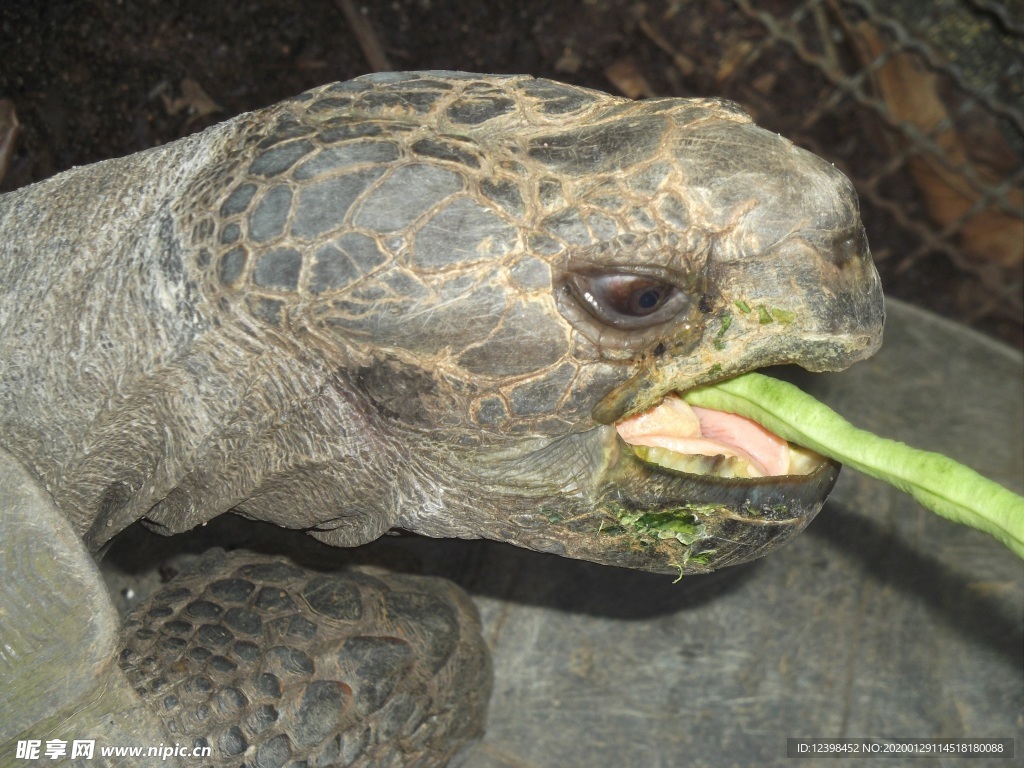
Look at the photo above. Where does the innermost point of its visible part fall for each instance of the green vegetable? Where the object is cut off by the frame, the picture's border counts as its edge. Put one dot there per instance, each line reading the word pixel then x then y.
pixel 936 481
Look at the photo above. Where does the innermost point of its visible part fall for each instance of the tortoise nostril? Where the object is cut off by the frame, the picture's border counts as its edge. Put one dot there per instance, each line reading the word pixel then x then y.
pixel 849 246
pixel 844 250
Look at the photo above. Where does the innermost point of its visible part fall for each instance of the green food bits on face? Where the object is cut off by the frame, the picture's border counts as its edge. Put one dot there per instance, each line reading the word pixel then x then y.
pixel 717 342
pixel 784 316
pixel 765 315
pixel 682 524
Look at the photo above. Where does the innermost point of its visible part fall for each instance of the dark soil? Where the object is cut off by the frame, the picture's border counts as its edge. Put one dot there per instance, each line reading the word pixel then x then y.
pixel 94 79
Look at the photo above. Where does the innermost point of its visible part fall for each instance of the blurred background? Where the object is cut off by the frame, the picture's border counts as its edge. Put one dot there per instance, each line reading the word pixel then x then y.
pixel 920 102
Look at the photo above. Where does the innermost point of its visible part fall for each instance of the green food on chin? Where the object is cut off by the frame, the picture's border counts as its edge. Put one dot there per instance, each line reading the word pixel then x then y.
pixel 685 527
pixel 683 524
pixel 944 486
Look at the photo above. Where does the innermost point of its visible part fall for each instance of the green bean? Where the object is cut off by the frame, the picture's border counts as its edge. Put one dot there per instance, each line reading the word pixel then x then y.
pixel 942 485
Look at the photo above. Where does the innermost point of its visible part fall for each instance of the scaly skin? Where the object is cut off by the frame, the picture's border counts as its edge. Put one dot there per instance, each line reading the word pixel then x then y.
pixel 360 309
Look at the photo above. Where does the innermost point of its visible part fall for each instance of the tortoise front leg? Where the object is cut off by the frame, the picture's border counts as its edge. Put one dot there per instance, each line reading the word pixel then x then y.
pixel 273 664
pixel 260 660
pixel 59 634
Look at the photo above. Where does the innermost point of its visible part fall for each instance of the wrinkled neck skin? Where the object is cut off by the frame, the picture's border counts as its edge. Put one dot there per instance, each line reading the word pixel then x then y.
pixel 128 397
pixel 534 492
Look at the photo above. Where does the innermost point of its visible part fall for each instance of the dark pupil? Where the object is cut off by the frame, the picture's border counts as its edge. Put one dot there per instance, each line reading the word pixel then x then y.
pixel 648 299
pixel 632 296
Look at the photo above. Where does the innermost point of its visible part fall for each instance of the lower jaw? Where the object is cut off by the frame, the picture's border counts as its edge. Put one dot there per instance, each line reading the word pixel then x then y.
pixel 647 517
pixel 665 520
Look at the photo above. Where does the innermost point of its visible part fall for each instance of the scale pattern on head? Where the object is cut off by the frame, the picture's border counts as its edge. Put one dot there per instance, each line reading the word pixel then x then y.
pixel 456 239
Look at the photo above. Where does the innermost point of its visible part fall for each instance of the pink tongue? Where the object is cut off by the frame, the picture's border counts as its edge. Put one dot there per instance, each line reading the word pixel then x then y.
pixel 678 427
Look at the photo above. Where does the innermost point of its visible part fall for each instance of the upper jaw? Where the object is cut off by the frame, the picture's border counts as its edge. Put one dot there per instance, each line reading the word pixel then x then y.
pixel 658 378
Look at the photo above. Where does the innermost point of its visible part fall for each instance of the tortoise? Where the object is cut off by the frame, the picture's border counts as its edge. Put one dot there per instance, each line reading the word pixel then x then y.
pixel 411 301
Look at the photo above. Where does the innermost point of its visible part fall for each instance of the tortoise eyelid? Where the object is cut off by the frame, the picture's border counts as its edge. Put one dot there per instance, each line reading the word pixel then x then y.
pixel 626 300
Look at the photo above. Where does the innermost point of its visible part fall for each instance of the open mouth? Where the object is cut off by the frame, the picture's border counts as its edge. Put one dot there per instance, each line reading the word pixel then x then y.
pixel 701 441
pixel 695 490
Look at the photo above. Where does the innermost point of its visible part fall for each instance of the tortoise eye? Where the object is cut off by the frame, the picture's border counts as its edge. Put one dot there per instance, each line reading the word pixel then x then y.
pixel 626 300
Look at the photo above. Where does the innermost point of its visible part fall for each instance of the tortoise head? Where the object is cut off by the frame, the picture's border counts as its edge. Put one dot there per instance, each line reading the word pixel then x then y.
pixel 503 268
